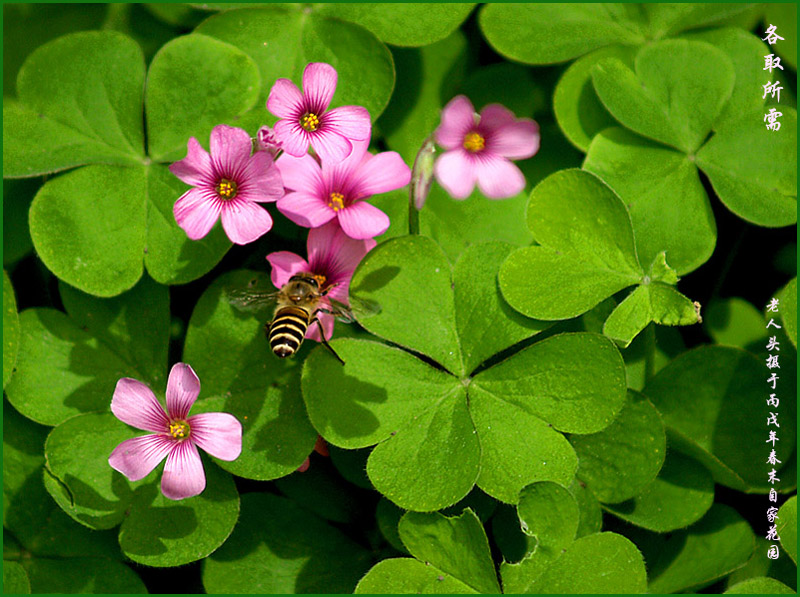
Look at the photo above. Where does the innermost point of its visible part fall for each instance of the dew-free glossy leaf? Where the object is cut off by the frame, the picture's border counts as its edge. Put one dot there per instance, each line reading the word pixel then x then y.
pixel 456 546
pixel 80 97
pixel 619 461
pixel 784 17
pixel 754 170
pixel 161 532
pixel 282 42
pixel 734 322
pixel 760 585
pixel 676 94
pixel 88 227
pixel 409 576
pixel 708 550
pixel 600 563
pixel 709 399
pixel 15 580
pixel 402 24
pixel 230 354
pixel 668 206
pixel 680 495
pixel 587 249
pixel 787 527
pixel 278 547
pixel 63 370
pixel 195 83
pixel 11 330
pixel 578 110
pixel 547 33
pixel 87 488
pixel 667 19
pixel 654 302
pixel 82 575
pixel 788 310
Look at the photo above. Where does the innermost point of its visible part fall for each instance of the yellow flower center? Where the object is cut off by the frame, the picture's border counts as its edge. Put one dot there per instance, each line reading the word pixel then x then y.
pixel 474 142
pixel 179 429
pixel 310 122
pixel 336 201
pixel 226 189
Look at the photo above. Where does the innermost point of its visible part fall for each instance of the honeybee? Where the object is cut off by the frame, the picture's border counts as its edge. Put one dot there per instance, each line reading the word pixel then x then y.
pixel 298 303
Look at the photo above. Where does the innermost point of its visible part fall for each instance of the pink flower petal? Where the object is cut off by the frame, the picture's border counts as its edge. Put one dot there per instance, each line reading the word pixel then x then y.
pixel 135 404
pixel 327 321
pixel 183 473
pixel 285 100
pixel 517 140
pixel 352 122
pixel 319 85
pixel 136 458
pixel 183 387
pixel 304 467
pixel 494 116
pixel 300 174
pixel 498 178
pixel 321 447
pixel 284 266
pixel 333 253
pixel 219 434
pixel 380 174
pixel 362 220
pixel 458 117
pixel 263 180
pixel 305 210
pixel 455 172
pixel 195 168
pixel 244 221
pixel 294 140
pixel 196 212
pixel 330 145
pixel 230 149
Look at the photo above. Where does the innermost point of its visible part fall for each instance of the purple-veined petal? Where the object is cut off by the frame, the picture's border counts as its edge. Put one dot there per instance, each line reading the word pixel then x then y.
pixel 285 100
pixel 458 117
pixel 352 122
pixel 516 141
pixel 494 116
pixel 381 173
pixel 195 169
pixel 219 434
pixel 300 174
pixel 262 180
pixel 137 457
pixel 334 254
pixel 244 221
pixel 196 211
pixel 183 473
pixel 285 265
pixel 294 140
pixel 319 85
pixel 183 387
pixel 135 404
pixel 330 146
pixel 362 220
pixel 305 210
pixel 327 321
pixel 498 178
pixel 454 170
pixel 230 150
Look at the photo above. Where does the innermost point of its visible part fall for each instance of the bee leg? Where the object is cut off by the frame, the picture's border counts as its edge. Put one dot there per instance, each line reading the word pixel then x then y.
pixel 324 341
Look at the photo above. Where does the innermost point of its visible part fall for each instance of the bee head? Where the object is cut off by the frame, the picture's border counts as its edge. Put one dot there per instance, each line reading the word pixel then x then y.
pixel 302 287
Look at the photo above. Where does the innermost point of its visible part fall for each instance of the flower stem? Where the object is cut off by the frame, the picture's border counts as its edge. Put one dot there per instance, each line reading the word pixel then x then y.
pixel 413 215
pixel 650 351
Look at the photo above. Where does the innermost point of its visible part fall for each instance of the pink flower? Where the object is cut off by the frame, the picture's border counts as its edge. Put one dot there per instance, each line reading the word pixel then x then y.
pixel 479 150
pixel 332 255
pixel 306 118
pixel 176 435
pixel 268 141
pixel 229 182
pixel 320 194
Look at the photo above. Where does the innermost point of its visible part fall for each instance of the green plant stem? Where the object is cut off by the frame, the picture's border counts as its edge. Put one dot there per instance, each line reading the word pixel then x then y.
pixel 650 352
pixel 413 216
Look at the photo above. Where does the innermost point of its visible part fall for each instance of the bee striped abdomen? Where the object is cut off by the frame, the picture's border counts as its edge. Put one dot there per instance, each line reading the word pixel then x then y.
pixel 287 330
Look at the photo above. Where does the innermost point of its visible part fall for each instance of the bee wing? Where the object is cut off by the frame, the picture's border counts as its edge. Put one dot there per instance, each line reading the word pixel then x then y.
pixel 358 309
pixel 252 299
